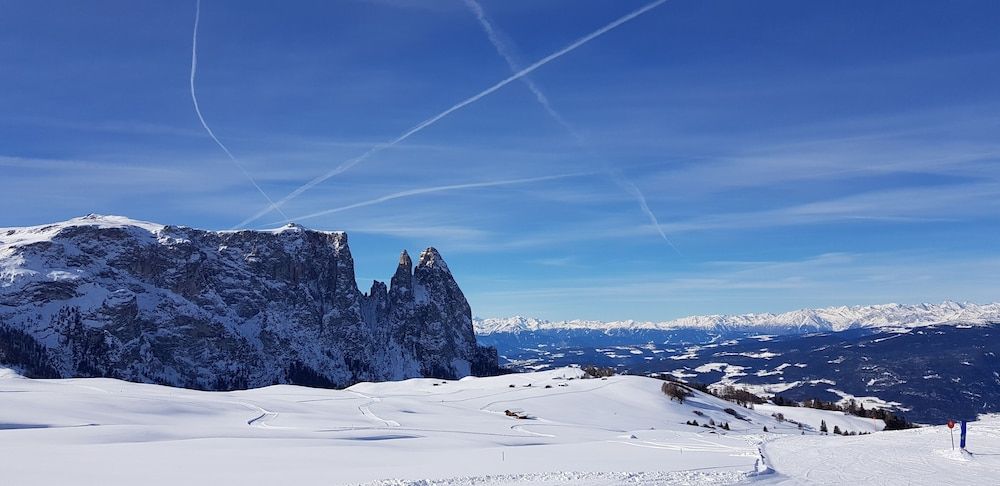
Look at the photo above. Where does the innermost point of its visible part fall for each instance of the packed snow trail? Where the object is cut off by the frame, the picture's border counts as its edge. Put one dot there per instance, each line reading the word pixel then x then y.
pixel 675 478
pixel 434 119
pixel 909 457
pixel 197 110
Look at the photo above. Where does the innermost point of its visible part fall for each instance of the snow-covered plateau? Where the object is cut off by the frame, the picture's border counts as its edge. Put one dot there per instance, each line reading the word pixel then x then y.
pixel 551 427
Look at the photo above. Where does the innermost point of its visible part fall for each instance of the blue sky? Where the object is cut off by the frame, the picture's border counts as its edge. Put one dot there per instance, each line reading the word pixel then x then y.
pixel 796 154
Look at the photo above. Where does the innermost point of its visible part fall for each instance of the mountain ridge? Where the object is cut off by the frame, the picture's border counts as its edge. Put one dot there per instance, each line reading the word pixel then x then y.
pixel 837 318
pixel 116 297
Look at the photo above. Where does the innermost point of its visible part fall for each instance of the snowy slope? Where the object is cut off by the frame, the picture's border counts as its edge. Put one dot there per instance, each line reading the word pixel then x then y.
pixel 622 430
pixel 105 431
pixel 804 320
pixel 910 457
pixel 812 417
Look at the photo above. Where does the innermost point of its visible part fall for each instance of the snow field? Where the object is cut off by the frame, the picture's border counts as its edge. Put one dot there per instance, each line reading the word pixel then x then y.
pixel 619 430
pixel 910 457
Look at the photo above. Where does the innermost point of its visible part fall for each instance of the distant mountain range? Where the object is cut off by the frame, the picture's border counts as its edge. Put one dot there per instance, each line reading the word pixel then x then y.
pixel 931 361
pixel 107 296
pixel 799 321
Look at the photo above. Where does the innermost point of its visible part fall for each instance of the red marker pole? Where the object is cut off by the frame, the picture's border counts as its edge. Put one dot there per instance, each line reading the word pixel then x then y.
pixel 951 428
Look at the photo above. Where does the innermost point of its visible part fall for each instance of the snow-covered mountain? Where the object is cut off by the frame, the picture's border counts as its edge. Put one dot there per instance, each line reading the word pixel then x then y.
pixel 110 296
pixel 930 361
pixel 805 320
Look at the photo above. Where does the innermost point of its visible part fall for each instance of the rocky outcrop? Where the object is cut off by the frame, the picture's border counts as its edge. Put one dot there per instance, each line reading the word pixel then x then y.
pixel 108 296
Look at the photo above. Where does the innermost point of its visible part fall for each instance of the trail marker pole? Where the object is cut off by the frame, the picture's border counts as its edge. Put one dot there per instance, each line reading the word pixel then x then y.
pixel 951 428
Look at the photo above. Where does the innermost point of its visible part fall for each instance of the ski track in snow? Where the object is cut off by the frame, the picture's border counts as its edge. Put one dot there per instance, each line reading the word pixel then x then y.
pixel 366 410
pixel 261 421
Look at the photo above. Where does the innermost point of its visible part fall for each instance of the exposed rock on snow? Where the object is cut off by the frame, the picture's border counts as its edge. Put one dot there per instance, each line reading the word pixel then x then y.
pixel 110 296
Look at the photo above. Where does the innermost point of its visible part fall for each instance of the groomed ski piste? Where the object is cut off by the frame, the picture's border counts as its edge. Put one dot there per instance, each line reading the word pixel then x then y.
pixel 548 428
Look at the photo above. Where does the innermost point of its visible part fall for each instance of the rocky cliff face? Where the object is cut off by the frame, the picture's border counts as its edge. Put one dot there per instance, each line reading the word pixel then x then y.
pixel 109 296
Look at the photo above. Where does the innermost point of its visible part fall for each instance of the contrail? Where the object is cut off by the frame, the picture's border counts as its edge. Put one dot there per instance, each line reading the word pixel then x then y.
pixel 194 98
pixel 508 56
pixel 427 190
pixel 434 119
pixel 511 60
pixel 641 199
